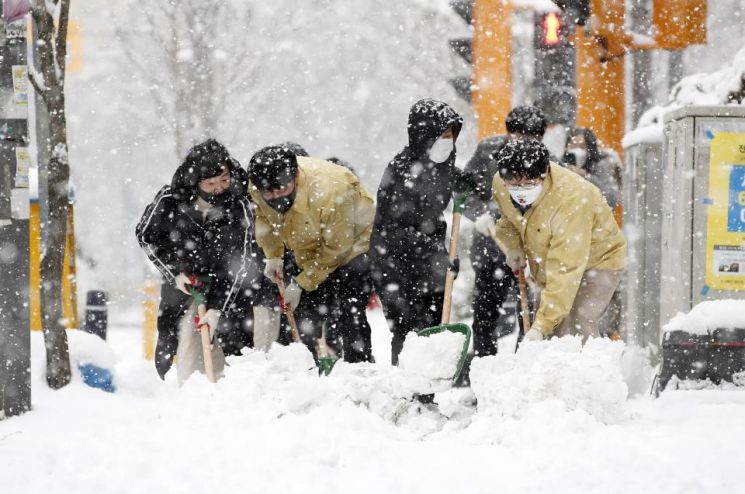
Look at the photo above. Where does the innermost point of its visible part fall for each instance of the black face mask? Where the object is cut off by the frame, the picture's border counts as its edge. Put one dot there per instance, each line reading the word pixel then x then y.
pixel 282 204
pixel 214 199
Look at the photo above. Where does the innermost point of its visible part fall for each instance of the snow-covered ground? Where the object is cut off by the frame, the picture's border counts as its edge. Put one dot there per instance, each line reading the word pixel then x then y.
pixel 551 418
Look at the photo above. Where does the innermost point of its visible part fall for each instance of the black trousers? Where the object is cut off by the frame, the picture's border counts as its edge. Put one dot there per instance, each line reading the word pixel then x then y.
pixel 495 284
pixel 346 290
pixel 173 305
pixel 412 299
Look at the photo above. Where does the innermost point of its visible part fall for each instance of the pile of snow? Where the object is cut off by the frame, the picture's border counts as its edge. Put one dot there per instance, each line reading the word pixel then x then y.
pixel 708 316
pixel 715 88
pixel 559 374
pixel 429 362
pixel 85 349
pixel 711 89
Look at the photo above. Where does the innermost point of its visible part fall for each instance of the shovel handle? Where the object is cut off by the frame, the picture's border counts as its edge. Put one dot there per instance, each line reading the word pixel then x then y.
pixel 450 277
pixel 524 308
pixel 209 368
pixel 290 313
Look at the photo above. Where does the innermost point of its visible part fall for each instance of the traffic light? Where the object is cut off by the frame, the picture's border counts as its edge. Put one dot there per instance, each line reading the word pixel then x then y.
pixel 551 29
pixel 463 47
pixel 555 68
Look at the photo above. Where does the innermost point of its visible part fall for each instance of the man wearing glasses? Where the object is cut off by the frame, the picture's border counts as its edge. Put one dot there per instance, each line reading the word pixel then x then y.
pixel 559 225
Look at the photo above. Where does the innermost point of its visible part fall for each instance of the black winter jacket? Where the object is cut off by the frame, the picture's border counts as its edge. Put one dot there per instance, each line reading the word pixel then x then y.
pixel 409 231
pixel 176 239
pixel 482 168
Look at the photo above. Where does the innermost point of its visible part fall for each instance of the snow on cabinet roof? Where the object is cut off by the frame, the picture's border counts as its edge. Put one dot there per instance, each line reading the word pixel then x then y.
pixel 724 86
pixel 708 316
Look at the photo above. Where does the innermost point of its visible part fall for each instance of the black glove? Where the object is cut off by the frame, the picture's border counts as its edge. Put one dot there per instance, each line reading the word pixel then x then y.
pixel 454 266
pixel 465 181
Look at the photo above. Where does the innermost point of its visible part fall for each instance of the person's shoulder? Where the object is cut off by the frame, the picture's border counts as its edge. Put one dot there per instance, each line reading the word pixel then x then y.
pixel 324 179
pixel 165 198
pixel 321 170
pixel 571 187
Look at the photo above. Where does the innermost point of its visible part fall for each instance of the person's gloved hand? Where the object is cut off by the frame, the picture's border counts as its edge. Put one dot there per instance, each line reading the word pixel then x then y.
pixel 292 295
pixel 486 225
pixel 534 335
pixel 183 281
pixel 209 322
pixel 274 268
pixel 516 260
pixel 454 266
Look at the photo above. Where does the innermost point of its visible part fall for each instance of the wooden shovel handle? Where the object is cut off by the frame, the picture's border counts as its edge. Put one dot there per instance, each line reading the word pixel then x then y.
pixel 524 307
pixel 290 313
pixel 450 277
pixel 209 368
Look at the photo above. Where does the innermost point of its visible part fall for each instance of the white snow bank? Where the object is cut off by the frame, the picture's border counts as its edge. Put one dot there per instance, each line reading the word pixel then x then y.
pixel 559 374
pixel 713 88
pixel 85 348
pixel 431 360
pixel 694 90
pixel 708 316
pixel 650 133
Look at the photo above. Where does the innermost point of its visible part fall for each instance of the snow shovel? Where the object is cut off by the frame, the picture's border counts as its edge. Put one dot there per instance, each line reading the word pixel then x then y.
pixel 445 324
pixel 326 359
pixel 199 299
pixel 524 308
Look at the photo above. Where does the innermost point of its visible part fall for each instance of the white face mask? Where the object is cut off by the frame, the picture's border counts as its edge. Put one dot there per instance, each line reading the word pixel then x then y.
pixel 525 195
pixel 441 150
pixel 580 155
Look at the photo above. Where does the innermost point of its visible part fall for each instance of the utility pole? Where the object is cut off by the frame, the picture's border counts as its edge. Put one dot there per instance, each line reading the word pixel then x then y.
pixel 15 351
pixel 643 74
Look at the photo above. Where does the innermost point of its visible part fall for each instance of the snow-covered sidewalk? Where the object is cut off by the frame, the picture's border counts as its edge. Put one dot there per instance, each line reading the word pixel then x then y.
pixel 272 425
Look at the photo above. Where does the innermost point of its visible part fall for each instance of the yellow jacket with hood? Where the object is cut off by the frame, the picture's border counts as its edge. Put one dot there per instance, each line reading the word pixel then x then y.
pixel 568 230
pixel 328 225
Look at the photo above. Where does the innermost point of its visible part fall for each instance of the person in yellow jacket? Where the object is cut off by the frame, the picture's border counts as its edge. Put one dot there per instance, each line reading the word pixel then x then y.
pixel 562 226
pixel 323 215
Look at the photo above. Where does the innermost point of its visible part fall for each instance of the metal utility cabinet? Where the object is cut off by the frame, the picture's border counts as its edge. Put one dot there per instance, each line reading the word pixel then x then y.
pixel 702 254
pixel 642 219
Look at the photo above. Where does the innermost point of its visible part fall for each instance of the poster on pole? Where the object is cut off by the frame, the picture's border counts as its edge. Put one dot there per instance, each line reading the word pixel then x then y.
pixel 23 165
pixel 20 84
pixel 725 224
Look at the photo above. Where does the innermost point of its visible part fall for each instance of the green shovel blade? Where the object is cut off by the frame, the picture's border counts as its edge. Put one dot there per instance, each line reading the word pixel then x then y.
pixel 326 364
pixel 453 328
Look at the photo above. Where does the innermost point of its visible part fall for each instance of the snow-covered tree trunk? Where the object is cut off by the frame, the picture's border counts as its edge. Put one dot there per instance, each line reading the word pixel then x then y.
pixel 50 85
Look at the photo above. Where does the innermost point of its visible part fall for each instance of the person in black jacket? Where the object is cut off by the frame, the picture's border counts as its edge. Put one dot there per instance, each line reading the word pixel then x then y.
pixel 202 226
pixel 495 283
pixel 408 240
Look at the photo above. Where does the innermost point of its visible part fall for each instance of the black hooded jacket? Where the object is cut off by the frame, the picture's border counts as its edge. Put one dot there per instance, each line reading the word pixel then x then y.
pixel 176 237
pixel 409 226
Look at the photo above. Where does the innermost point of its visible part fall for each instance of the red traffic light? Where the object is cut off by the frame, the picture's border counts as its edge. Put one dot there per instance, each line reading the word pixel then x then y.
pixel 551 29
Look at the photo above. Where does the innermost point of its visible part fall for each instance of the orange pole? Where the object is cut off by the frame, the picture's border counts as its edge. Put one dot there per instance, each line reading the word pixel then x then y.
pixel 35 265
pixel 491 98
pixel 600 89
pixel 601 95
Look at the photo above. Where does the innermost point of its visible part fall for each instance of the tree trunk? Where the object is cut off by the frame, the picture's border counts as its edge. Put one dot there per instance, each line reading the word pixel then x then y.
pixel 51 89
pixel 58 359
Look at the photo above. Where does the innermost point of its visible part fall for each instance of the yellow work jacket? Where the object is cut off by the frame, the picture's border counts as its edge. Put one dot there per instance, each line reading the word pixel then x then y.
pixel 328 225
pixel 568 230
